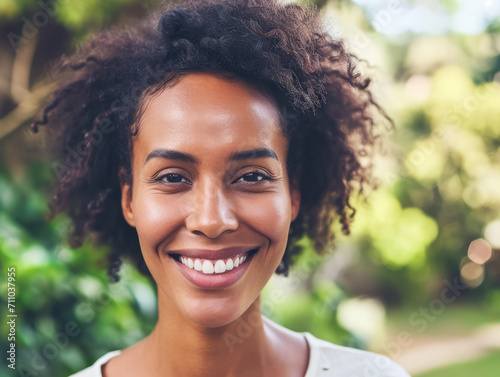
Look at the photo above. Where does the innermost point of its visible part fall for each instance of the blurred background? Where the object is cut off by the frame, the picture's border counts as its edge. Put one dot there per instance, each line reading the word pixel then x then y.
pixel 419 277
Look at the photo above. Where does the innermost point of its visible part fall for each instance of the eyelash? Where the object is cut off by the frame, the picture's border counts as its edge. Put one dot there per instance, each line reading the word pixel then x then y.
pixel 265 177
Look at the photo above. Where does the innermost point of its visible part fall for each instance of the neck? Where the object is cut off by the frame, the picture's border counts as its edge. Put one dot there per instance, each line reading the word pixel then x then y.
pixel 181 347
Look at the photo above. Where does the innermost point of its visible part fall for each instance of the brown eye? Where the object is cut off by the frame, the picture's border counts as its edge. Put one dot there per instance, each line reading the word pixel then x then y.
pixel 256 177
pixel 172 178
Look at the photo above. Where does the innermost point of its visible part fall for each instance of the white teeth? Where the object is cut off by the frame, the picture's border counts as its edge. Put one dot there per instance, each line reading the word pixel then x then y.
pixel 220 267
pixel 197 265
pixel 207 267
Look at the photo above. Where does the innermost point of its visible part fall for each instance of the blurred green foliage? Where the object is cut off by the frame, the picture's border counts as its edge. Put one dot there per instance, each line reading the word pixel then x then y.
pixel 483 367
pixel 78 16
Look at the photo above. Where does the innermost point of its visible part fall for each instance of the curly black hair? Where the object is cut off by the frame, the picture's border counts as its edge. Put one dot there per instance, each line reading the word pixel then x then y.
pixel 327 111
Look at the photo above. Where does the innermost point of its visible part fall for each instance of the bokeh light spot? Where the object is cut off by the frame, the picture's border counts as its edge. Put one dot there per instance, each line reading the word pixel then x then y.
pixel 480 251
pixel 472 274
pixel 418 87
pixel 492 234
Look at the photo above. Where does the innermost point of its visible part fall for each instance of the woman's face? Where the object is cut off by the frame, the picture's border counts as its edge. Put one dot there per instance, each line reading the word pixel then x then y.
pixel 209 172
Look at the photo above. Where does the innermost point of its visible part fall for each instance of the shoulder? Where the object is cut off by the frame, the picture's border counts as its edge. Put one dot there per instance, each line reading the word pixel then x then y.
pixel 95 369
pixel 331 360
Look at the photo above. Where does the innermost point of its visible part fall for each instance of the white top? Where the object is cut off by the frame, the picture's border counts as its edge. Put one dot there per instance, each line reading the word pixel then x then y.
pixel 325 360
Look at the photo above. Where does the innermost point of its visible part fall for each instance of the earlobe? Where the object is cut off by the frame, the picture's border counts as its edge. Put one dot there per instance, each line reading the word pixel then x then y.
pixel 126 200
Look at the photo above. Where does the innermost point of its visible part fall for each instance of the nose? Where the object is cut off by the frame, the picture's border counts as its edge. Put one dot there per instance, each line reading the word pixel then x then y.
pixel 211 211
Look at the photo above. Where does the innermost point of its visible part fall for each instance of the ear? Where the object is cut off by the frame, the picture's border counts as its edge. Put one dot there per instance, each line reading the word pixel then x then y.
pixel 295 198
pixel 126 199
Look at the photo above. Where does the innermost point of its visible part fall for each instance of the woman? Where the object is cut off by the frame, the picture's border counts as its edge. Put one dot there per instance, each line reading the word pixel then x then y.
pixel 201 146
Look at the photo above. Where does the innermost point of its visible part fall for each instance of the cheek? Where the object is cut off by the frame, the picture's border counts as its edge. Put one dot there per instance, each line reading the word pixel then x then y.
pixel 268 214
pixel 156 218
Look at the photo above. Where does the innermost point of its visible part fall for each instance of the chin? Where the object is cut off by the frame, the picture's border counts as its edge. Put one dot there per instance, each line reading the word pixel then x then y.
pixel 214 313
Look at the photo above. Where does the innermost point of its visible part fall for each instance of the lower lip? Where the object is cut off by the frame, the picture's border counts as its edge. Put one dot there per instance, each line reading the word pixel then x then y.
pixel 213 281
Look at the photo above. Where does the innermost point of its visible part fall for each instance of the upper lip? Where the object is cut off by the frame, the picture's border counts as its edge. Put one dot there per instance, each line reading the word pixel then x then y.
pixel 226 253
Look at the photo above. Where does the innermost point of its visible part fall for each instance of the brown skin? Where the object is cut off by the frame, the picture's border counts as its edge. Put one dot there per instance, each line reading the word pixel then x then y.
pixel 213 204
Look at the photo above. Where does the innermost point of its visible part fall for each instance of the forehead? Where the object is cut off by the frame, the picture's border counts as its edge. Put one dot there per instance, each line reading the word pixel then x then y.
pixel 205 109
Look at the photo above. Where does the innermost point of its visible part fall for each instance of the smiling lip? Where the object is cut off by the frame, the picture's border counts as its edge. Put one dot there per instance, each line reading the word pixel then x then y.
pixel 216 280
pixel 226 253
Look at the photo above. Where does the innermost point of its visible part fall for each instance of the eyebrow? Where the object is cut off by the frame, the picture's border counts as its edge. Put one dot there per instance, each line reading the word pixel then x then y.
pixel 249 154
